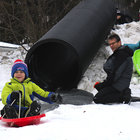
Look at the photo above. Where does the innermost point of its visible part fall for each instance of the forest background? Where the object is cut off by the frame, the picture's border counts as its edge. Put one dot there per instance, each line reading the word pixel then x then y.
pixel 26 21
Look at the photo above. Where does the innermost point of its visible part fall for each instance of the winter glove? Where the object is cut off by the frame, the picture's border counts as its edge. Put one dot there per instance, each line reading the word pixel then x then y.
pixel 96 84
pixel 55 97
pixel 100 86
pixel 34 109
pixel 15 95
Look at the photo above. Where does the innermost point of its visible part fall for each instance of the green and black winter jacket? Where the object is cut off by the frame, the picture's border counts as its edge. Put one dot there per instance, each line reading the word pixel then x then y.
pixel 29 91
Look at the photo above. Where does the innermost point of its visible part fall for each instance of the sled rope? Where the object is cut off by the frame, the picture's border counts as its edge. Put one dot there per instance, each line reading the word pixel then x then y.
pixel 19 105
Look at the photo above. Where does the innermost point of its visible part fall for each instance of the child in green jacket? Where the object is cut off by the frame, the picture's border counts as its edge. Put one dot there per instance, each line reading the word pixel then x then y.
pixel 22 86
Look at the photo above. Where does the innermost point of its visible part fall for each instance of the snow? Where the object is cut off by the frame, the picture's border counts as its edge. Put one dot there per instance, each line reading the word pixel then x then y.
pixel 82 122
pixel 5 44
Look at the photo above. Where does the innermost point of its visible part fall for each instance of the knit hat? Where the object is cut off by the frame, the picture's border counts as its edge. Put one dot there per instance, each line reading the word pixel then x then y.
pixel 19 65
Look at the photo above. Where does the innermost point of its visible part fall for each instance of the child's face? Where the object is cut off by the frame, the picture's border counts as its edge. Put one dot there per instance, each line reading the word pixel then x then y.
pixel 20 75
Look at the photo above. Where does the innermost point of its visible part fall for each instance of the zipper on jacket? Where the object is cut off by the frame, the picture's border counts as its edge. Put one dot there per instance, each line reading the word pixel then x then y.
pixel 23 89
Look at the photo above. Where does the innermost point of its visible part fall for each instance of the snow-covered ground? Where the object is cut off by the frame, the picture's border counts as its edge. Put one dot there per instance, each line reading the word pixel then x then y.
pixel 5 44
pixel 82 122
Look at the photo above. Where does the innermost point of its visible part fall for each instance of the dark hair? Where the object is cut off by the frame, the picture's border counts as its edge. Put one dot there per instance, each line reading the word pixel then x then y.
pixel 114 36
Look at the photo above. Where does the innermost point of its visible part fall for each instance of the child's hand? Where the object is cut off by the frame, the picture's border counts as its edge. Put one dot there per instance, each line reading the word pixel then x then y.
pixel 15 95
pixel 55 97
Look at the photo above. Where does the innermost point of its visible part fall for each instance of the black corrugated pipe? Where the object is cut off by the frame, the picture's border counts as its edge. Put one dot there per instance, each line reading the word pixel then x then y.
pixel 62 55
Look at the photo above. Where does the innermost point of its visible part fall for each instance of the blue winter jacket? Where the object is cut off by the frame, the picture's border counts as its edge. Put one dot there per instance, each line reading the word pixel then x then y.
pixel 133 46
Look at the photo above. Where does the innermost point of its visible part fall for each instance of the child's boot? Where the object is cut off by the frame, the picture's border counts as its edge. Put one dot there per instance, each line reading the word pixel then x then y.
pixel 10 112
pixel 34 109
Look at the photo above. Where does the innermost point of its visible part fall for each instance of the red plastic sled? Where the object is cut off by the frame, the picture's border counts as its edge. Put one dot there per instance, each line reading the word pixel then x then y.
pixel 23 121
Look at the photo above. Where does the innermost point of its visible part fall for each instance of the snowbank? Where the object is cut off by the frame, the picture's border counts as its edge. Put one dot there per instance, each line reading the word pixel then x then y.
pixel 86 122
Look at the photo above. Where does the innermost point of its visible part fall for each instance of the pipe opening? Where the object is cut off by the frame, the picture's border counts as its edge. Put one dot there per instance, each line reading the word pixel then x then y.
pixel 54 65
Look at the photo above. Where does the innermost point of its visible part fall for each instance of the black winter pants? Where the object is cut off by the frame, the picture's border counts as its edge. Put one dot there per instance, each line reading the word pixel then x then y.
pixel 111 95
